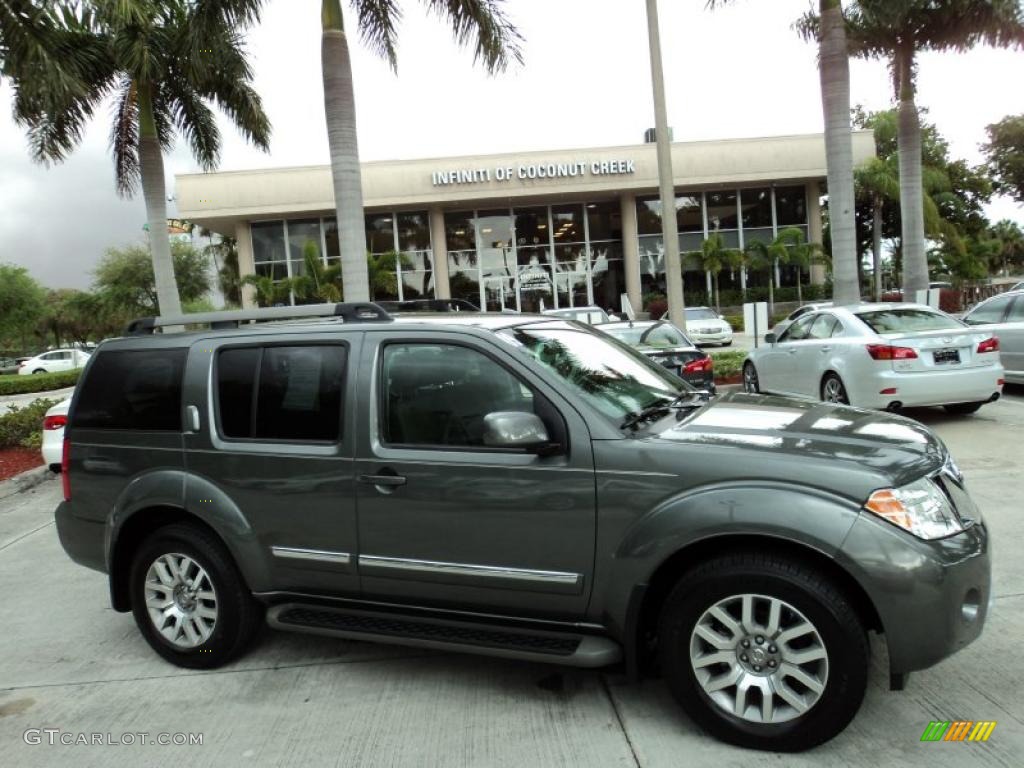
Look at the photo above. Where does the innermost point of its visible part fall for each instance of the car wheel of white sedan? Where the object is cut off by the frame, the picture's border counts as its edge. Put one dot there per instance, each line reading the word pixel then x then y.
pixel 750 383
pixel 833 390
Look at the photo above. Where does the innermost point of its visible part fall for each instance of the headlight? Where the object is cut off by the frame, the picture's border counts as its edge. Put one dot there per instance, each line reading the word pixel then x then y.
pixel 920 508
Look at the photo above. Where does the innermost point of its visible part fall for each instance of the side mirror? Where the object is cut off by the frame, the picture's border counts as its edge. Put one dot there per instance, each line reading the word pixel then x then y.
pixel 515 429
pixel 769 338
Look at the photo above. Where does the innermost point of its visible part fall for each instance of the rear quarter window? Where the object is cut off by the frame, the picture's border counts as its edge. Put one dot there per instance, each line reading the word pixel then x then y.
pixel 132 389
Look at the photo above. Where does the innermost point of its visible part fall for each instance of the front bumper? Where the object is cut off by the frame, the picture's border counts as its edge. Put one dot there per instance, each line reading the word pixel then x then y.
pixel 717 337
pixel 932 597
pixel 83 540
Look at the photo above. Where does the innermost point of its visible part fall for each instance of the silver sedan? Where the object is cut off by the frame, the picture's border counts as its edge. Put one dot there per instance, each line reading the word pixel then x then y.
pixel 880 356
pixel 1003 316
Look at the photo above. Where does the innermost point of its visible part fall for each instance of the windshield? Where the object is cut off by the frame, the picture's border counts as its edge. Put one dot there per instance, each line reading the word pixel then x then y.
pixel 700 314
pixel 898 321
pixel 605 373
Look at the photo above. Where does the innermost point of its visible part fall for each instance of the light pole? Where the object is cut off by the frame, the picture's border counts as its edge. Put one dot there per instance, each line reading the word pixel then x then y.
pixel 669 231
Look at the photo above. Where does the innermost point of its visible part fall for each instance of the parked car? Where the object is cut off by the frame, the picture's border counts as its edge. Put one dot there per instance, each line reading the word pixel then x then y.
pixel 1003 316
pixel 516 486
pixel 668 346
pixel 880 356
pixel 797 313
pixel 1018 286
pixel 8 366
pixel 54 361
pixel 705 326
pixel 54 422
pixel 588 315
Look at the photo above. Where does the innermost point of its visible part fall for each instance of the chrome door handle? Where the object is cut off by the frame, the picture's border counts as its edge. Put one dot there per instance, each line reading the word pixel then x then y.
pixel 792 350
pixel 388 481
pixel 826 349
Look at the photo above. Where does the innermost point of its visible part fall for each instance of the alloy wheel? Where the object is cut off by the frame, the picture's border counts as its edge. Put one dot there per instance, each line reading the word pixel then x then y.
pixel 758 658
pixel 833 391
pixel 181 600
pixel 750 383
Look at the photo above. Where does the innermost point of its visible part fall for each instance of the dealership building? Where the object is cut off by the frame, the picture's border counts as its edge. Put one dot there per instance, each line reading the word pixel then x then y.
pixel 528 230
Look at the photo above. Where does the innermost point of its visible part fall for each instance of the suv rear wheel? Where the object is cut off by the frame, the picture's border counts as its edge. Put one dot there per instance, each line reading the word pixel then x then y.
pixel 763 651
pixel 189 599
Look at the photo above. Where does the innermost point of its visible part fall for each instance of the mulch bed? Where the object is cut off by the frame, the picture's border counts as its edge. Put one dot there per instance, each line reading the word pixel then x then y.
pixel 737 379
pixel 14 461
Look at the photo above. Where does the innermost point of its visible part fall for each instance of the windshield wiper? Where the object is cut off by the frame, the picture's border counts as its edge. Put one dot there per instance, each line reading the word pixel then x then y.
pixel 685 399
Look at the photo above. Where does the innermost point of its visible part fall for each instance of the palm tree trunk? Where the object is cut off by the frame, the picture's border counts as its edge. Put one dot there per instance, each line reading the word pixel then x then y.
pixel 876 245
pixel 834 65
pixel 771 289
pixel 915 262
pixel 799 285
pixel 718 294
pixel 154 192
pixel 340 110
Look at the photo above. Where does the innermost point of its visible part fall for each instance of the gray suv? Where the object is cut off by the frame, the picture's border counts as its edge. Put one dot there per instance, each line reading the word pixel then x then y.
pixel 516 486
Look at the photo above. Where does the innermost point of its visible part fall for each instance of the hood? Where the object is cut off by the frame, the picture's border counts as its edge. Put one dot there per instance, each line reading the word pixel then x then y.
pixel 830 446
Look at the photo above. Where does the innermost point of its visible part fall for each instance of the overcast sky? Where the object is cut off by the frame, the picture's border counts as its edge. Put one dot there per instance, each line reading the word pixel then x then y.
pixel 740 71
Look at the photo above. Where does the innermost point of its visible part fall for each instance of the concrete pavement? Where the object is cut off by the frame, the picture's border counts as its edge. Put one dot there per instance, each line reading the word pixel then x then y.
pixel 6 401
pixel 68 661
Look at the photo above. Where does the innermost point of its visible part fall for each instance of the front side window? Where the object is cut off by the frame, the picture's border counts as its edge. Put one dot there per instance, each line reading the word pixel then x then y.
pixel 595 368
pixel 437 395
pixel 898 321
pixel 281 392
pixel 990 312
pixel 131 389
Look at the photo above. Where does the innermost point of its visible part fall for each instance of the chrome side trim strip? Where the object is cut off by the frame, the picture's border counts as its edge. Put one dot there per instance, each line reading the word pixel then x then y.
pixel 320 555
pixel 464 569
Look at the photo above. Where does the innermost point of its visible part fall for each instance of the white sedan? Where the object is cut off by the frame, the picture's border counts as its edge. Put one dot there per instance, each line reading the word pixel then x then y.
pixel 880 356
pixel 53 433
pixel 704 326
pixel 56 360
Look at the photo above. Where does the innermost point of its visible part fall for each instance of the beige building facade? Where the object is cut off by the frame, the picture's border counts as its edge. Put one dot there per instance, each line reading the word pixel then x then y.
pixel 527 230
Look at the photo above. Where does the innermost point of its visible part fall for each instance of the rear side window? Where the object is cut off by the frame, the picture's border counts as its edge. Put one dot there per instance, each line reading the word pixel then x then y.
pixel 281 393
pixel 989 312
pixel 132 389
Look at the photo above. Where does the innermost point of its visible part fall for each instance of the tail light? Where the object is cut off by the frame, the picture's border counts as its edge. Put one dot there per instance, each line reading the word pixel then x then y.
pixel 55 422
pixel 65 461
pixel 989 345
pixel 888 352
pixel 700 365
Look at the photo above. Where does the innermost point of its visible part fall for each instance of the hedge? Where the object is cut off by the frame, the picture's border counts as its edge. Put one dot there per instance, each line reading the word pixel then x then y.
pixel 38 382
pixel 728 363
pixel 23 426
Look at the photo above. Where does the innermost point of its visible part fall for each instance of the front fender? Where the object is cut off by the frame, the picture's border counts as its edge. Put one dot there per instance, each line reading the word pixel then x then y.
pixel 197 497
pixel 801 515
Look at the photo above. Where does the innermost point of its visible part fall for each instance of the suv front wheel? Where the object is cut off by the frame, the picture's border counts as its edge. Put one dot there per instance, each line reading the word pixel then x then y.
pixel 189 600
pixel 763 651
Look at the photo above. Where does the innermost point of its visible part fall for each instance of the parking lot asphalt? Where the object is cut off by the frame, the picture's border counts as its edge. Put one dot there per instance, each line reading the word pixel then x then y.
pixel 68 662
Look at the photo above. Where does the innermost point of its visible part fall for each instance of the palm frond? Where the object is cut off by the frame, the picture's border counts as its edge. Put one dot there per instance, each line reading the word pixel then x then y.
pixel 124 139
pixel 377 21
pixel 496 40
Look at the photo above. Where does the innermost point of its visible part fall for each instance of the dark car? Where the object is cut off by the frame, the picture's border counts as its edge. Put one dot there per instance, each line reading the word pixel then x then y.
pixel 667 345
pixel 9 365
pixel 517 486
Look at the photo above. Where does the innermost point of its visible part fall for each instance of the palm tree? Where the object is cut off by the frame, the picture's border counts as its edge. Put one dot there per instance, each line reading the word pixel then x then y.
pixel 714 256
pixel 270 292
pixel 800 254
pixel 897 30
pixel 761 255
pixel 382 271
pixel 163 62
pixel 495 42
pixel 879 179
pixel 318 283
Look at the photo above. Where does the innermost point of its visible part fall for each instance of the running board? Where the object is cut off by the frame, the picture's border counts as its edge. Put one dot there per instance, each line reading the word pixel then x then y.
pixel 574 650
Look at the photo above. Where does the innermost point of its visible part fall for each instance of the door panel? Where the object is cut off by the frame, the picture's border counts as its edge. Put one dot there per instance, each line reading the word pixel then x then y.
pixel 445 521
pixel 296 494
pixel 1011 340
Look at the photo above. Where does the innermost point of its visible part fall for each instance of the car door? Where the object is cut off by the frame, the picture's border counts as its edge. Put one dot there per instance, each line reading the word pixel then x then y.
pixel 446 521
pixel 813 354
pixel 276 423
pixel 1011 340
pixel 776 366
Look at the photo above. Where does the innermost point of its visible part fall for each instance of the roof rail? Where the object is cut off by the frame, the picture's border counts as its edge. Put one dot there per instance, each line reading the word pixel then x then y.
pixel 429 305
pixel 349 312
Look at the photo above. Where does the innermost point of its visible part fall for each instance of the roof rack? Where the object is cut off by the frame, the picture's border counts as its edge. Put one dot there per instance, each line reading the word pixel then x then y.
pixel 349 312
pixel 429 305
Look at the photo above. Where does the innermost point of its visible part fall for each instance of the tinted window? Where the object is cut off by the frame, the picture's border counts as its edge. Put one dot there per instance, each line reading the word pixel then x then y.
pixel 908 321
pixel 132 390
pixel 989 312
pixel 439 394
pixel 298 392
pixel 665 335
pixel 1016 311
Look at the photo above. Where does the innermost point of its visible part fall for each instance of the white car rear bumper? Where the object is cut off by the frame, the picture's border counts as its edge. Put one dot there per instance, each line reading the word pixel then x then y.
pixel 53 445
pixel 967 385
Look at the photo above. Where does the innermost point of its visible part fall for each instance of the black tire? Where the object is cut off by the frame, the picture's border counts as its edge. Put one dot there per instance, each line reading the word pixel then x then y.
pixel 239 615
pixel 38 370
pixel 726 343
pixel 751 384
pixel 962 409
pixel 802 587
pixel 832 379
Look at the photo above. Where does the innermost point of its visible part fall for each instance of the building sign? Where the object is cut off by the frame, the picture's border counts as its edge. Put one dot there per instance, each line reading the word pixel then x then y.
pixel 572 169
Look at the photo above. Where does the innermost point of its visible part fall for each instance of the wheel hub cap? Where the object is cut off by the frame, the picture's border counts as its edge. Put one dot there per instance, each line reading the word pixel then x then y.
pixel 759 658
pixel 181 600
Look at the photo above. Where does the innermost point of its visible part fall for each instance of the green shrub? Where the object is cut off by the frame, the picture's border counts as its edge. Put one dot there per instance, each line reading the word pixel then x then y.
pixel 38 382
pixel 736 321
pixel 728 362
pixel 21 424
